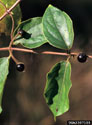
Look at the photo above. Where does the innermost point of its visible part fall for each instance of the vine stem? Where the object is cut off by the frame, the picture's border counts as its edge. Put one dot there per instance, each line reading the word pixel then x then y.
pixel 12 39
pixel 9 10
pixel 44 52
pixel 10 48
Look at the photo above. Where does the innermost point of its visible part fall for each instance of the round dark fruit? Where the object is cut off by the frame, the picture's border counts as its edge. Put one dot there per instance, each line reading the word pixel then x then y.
pixel 82 57
pixel 20 67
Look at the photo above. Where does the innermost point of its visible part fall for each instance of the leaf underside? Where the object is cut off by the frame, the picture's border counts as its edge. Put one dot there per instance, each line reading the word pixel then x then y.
pixel 57 88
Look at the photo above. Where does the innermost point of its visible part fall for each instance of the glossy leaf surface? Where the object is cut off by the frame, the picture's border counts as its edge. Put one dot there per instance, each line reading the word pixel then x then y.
pixel 57 88
pixel 34 36
pixel 4 67
pixel 58 28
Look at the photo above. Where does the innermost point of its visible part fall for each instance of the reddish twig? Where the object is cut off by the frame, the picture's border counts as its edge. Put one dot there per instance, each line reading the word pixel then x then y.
pixel 12 30
pixel 9 10
pixel 10 48
pixel 44 52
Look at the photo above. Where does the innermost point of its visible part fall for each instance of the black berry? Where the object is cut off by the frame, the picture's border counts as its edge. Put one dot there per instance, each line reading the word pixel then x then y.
pixel 82 57
pixel 24 34
pixel 20 67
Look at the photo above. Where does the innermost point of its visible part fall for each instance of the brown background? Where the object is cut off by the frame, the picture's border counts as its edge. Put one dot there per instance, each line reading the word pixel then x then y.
pixel 23 101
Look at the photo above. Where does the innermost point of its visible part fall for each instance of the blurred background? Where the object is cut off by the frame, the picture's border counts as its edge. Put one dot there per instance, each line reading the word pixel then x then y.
pixel 23 101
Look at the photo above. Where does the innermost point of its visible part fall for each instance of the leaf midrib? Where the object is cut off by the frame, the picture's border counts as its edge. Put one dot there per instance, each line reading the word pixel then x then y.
pixel 59 97
pixel 57 28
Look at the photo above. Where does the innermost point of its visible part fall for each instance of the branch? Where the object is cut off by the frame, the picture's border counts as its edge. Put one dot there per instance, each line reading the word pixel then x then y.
pixel 44 52
pixel 9 10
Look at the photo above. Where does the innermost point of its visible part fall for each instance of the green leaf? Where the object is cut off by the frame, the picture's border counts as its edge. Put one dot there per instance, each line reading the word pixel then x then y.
pixel 6 23
pixel 33 27
pixel 58 28
pixel 57 88
pixel 4 66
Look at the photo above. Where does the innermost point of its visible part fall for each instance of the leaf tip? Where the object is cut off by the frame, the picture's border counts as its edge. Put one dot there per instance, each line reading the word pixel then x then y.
pixel 50 5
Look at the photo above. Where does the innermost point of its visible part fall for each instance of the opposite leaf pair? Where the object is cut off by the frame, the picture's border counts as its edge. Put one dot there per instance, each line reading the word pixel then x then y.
pixel 55 27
